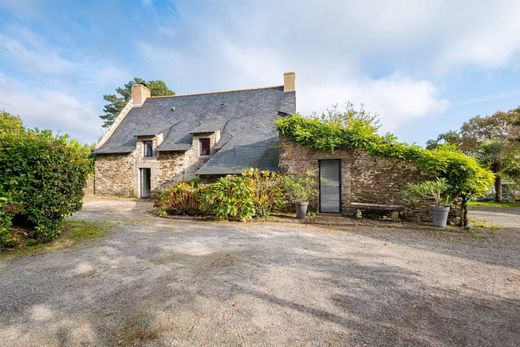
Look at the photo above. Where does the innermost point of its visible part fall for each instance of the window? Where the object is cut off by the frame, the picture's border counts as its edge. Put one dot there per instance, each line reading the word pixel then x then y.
pixel 148 148
pixel 204 146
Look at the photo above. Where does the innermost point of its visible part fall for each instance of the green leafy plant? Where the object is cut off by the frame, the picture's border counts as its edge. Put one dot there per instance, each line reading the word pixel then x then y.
pixel 436 190
pixel 267 191
pixel 230 197
pixel 42 177
pixel 254 193
pixel 182 198
pixel 300 188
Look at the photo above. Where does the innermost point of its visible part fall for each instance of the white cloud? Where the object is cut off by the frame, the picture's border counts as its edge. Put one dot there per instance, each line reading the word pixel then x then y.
pixel 50 109
pixel 32 53
pixel 396 98
pixel 34 58
pixel 487 35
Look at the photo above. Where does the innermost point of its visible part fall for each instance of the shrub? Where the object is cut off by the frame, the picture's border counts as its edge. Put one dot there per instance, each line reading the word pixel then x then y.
pixel 180 199
pixel 300 188
pixel 267 190
pixel 437 190
pixel 230 197
pixel 254 193
pixel 41 178
pixel 5 221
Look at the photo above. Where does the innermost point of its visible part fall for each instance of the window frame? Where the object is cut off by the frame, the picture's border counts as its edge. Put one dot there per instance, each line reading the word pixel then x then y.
pixel 147 144
pixel 201 139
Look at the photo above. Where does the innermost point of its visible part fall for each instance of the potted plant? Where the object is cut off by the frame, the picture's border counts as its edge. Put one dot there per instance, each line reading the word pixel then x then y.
pixel 300 189
pixel 438 191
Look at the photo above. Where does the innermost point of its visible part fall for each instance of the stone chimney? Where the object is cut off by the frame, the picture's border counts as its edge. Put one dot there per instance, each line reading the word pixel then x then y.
pixel 139 94
pixel 288 82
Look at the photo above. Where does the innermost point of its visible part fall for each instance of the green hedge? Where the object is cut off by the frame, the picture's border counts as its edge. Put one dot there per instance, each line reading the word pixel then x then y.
pixel 42 177
pixel 464 175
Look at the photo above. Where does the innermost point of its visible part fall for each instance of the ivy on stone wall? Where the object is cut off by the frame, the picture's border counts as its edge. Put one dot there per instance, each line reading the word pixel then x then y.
pixel 463 174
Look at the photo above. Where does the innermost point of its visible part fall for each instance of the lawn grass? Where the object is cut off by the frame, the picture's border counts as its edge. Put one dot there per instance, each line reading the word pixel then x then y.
pixel 494 204
pixel 74 232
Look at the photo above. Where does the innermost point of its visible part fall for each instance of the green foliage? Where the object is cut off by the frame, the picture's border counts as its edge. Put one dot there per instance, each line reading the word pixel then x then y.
pixel 253 194
pixel 180 199
pixel 463 174
pixel 492 140
pixel 300 188
pixel 5 220
pixel 41 178
pixel 494 204
pixel 267 192
pixel 230 197
pixel 116 102
pixel 438 190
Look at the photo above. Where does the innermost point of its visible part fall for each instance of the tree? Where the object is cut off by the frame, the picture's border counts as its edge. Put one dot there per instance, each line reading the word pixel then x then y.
pixel 116 102
pixel 493 140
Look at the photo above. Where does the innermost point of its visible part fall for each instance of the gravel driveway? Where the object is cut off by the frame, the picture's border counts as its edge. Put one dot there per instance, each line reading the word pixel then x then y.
pixel 158 282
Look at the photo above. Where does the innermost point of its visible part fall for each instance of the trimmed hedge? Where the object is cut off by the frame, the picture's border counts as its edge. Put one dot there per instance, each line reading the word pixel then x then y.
pixel 463 174
pixel 42 177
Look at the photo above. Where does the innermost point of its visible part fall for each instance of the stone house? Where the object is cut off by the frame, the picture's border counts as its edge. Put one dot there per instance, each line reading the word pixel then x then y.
pixel 156 141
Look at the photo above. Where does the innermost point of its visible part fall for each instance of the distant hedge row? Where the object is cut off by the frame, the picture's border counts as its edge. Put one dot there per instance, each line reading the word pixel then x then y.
pixel 42 177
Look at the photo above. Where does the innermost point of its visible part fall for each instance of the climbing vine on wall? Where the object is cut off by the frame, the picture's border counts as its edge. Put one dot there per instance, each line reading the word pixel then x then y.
pixel 463 174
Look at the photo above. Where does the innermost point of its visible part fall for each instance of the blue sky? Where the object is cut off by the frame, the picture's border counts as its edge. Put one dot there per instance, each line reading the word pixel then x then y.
pixel 424 66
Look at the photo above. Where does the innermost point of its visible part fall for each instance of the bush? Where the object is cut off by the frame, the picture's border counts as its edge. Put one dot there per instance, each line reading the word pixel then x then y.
pixel 253 194
pixel 267 190
pixel 300 188
pixel 436 190
pixel 42 177
pixel 5 221
pixel 230 197
pixel 180 199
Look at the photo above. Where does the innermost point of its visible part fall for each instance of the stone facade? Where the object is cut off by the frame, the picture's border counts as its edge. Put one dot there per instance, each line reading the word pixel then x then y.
pixel 364 179
pixel 118 174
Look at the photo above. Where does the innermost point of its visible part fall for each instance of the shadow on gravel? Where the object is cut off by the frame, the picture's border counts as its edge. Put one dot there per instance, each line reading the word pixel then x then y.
pixel 217 284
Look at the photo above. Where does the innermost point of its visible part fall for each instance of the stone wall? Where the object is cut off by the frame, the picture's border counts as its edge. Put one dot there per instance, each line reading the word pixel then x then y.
pixel 114 175
pixel 118 174
pixel 365 179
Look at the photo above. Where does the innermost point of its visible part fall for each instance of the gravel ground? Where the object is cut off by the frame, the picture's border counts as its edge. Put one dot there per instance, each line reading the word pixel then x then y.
pixel 503 217
pixel 158 282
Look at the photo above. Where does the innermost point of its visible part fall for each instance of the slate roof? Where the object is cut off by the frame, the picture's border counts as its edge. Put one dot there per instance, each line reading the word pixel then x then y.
pixel 245 117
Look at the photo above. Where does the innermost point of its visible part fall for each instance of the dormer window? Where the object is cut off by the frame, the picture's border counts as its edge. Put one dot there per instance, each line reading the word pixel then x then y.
pixel 204 146
pixel 148 149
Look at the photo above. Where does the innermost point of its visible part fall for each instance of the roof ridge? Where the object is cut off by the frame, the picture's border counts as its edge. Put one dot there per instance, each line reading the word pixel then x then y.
pixel 215 92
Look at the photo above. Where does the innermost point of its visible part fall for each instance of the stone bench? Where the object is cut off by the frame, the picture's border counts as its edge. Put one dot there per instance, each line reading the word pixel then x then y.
pixel 359 208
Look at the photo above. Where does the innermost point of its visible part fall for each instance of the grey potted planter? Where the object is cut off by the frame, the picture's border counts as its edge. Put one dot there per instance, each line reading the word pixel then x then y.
pixel 440 215
pixel 300 189
pixel 301 209
pixel 436 190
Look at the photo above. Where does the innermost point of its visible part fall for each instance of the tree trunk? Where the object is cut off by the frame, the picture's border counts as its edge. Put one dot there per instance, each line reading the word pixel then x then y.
pixel 498 188
pixel 464 212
